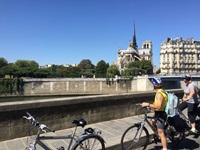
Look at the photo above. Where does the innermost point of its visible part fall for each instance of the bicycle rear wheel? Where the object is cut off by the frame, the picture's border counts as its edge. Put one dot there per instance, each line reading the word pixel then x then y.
pixel 176 137
pixel 129 139
pixel 90 142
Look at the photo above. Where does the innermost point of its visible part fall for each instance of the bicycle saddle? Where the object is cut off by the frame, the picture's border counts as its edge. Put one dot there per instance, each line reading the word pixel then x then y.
pixel 79 122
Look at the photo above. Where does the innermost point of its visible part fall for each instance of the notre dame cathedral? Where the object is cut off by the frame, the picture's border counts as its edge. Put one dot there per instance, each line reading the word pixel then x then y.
pixel 133 53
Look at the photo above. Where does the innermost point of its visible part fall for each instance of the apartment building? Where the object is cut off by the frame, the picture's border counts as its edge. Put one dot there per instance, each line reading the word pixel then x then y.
pixel 178 56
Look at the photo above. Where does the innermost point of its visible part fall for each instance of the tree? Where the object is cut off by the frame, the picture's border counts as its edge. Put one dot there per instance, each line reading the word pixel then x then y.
pixel 9 69
pixel 86 64
pixel 26 63
pixel 139 67
pixel 73 72
pixel 26 68
pixel 146 65
pixel 3 62
pixel 101 69
pixel 42 73
pixel 112 71
pixel 86 68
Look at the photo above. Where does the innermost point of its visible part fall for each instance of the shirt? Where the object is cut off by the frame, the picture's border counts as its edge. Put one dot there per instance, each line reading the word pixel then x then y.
pixel 165 99
pixel 195 97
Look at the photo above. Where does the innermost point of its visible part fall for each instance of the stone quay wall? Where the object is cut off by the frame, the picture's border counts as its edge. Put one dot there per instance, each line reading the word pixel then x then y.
pixel 59 112
pixel 90 86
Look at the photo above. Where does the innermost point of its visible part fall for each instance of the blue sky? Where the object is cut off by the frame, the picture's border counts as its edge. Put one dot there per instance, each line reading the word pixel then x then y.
pixel 68 31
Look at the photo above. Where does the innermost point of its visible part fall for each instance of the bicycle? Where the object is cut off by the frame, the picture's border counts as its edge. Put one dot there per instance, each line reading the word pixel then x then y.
pixel 89 139
pixel 137 136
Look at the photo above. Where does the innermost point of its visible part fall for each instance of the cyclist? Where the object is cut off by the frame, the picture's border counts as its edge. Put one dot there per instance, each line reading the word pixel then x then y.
pixel 190 100
pixel 160 102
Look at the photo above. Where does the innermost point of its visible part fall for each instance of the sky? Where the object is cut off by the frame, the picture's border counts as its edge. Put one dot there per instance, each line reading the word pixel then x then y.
pixel 68 31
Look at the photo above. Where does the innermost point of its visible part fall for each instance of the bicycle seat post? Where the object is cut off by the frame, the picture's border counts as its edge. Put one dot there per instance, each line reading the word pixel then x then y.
pixel 72 137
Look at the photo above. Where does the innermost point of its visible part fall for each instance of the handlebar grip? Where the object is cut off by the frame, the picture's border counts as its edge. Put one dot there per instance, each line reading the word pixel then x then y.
pixel 50 129
pixel 139 104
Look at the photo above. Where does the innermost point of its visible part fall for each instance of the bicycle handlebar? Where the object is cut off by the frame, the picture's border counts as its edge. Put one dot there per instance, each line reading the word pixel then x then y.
pixel 148 108
pixel 42 127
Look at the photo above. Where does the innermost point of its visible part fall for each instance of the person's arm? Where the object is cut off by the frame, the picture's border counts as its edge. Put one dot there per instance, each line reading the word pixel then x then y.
pixel 154 106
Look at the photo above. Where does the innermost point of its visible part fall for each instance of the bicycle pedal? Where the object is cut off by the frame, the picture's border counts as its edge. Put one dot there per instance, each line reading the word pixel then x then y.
pixel 61 148
pixel 156 139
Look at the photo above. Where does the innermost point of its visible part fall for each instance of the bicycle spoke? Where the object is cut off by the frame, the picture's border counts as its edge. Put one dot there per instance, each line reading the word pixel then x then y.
pixel 131 138
pixel 90 143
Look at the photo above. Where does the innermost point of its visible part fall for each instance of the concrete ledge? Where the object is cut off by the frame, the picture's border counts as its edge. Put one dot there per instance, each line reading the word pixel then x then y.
pixel 11 106
pixel 57 113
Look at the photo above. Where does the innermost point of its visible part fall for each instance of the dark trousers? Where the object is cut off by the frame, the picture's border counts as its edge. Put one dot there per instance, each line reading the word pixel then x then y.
pixel 192 110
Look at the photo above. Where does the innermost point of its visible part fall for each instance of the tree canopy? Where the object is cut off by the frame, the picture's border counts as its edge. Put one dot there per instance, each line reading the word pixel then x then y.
pixel 30 68
pixel 3 62
pixel 101 68
pixel 139 67
pixel 112 71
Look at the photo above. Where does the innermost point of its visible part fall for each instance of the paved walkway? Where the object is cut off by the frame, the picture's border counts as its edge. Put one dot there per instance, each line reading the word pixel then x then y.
pixel 111 132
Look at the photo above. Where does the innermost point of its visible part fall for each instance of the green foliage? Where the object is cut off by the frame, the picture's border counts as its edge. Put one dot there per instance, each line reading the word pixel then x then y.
pixel 87 69
pixel 26 63
pixel 112 71
pixel 8 70
pixel 86 64
pixel 26 68
pixel 67 72
pixel 101 69
pixel 139 67
pixel 134 71
pixel 41 73
pixel 11 86
pixel 3 62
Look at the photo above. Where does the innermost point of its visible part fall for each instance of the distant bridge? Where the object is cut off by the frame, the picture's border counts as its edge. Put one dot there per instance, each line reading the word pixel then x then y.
pixel 174 77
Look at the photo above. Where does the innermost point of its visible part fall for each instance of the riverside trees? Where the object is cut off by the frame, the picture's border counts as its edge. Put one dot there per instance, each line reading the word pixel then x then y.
pixel 27 68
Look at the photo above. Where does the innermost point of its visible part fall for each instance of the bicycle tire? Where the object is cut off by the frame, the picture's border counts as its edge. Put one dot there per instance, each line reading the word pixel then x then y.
pixel 127 140
pixel 90 142
pixel 176 137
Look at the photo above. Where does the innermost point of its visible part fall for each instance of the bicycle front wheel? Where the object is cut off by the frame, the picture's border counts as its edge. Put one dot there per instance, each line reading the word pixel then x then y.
pixel 131 138
pixel 90 142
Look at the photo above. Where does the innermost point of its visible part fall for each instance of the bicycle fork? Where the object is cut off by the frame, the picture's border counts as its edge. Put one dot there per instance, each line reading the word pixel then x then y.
pixel 140 126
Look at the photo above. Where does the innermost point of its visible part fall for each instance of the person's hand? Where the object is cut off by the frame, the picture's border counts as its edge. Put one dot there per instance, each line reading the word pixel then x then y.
pixel 145 104
pixel 184 99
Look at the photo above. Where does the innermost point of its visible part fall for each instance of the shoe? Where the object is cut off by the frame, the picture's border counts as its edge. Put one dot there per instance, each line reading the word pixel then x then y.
pixel 194 131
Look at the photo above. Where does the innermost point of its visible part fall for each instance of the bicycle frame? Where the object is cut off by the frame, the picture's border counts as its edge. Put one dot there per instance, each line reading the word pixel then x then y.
pixel 74 140
pixel 39 140
pixel 142 123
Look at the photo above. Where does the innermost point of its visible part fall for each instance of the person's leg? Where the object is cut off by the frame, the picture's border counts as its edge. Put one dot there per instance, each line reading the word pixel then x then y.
pixel 192 115
pixel 163 138
pixel 161 131
pixel 196 109
pixel 182 106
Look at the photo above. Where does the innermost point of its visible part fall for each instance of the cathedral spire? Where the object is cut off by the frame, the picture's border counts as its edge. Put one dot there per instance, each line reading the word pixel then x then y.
pixel 134 43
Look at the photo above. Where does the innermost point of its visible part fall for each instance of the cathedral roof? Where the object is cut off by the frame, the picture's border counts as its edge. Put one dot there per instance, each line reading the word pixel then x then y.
pixel 130 50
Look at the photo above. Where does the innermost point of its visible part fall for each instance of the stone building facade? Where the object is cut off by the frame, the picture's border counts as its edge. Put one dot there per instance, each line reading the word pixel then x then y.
pixel 133 53
pixel 178 56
